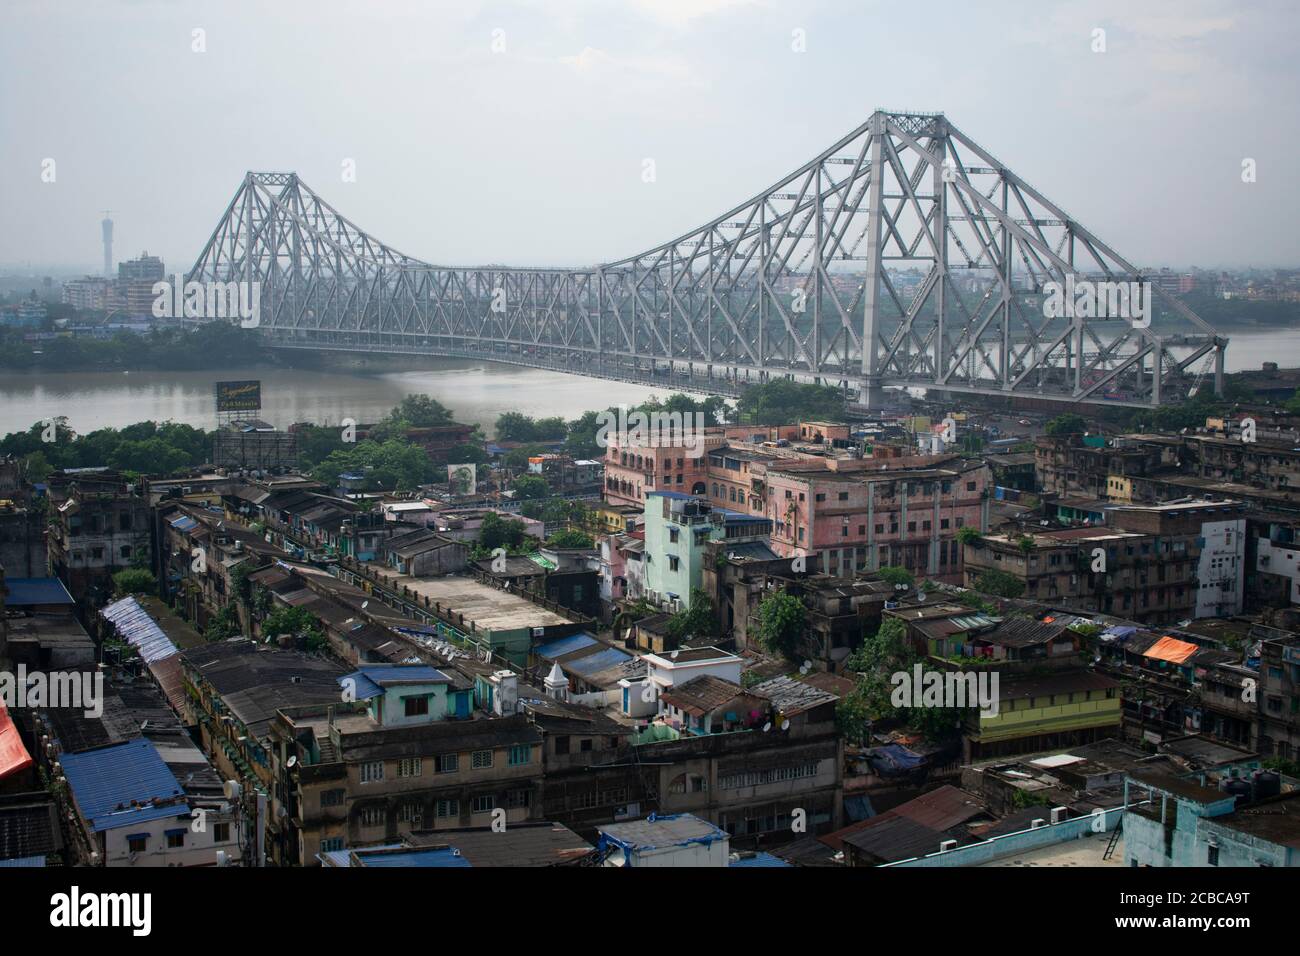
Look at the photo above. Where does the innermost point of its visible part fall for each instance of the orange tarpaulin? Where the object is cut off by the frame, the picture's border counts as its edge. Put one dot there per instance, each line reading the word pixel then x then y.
pixel 13 755
pixel 1170 649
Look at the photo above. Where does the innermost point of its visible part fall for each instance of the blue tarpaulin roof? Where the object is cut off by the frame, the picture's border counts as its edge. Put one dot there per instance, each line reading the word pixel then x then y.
pixel 893 759
pixel 26 591
pixel 397 855
pixel 31 861
pixel 107 781
pixel 139 629
pixel 184 523
pixel 565 645
pixel 759 859
pixel 611 657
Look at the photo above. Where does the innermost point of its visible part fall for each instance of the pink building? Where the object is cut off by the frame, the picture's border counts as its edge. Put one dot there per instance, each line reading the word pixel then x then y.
pixel 866 514
pixel 632 470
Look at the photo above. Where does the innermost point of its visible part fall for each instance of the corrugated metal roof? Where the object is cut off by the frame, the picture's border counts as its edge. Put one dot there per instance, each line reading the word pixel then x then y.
pixel 565 645
pixel 139 630
pixel 24 861
pixel 123 784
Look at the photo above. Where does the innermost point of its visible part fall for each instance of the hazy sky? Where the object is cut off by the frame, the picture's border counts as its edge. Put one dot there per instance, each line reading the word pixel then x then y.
pixel 533 155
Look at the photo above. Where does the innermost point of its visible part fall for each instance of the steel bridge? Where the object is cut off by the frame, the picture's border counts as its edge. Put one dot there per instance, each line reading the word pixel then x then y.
pixel 903 255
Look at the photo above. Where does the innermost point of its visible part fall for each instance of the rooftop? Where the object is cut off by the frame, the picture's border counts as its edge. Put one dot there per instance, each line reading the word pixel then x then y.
pixel 655 832
pixel 487 607
pixel 123 784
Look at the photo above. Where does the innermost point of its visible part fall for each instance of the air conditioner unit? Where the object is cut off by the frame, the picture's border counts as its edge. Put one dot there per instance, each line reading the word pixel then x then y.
pixel 1058 814
pixel 947 845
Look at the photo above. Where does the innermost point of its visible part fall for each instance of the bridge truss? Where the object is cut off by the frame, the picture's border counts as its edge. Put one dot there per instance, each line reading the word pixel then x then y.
pixel 903 255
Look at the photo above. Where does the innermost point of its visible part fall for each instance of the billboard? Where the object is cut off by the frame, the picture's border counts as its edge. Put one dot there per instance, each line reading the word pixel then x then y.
pixel 462 479
pixel 239 396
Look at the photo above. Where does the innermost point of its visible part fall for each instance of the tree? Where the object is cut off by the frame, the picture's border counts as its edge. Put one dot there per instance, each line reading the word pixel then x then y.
pixel 570 539
pixel 421 411
pixel 969 535
pixel 1000 584
pixel 779 623
pixel 223 625
pixel 297 621
pixel 784 402
pixel 531 486
pixel 498 532
pixel 133 581
pixel 892 574
pixel 1067 424
pixel 698 620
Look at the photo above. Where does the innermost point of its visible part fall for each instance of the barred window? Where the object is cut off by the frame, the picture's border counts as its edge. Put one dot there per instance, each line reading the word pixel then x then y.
pixel 372 817
pixel 448 808
pixel 408 767
pixel 481 759
pixel 757 778
pixel 372 771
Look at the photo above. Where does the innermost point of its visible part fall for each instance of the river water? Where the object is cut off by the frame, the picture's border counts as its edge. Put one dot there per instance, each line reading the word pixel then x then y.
pixel 476 391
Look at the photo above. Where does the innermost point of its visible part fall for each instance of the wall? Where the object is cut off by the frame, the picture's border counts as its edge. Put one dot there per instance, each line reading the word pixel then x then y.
pixel 1022 841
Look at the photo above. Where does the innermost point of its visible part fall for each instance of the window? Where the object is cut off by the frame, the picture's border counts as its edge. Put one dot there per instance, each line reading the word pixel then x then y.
pixel 481 759
pixel 408 767
pixel 447 808
pixel 561 745
pixel 446 763
pixel 221 833
pixel 372 817
pixel 124 551
pixel 372 771
pixel 332 798
pixel 410 813
pixel 520 754
pixel 584 745
pixel 176 840
pixel 416 706
pixel 673 563
pixel 1213 859
pixel 518 799
pixel 136 844
pixel 484 804
pixel 331 845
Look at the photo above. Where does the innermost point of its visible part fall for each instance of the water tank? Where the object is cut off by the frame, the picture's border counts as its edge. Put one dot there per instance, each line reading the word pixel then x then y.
pixel 1240 789
pixel 1267 784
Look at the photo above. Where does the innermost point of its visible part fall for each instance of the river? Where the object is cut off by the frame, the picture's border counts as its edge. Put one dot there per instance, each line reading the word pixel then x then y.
pixel 476 391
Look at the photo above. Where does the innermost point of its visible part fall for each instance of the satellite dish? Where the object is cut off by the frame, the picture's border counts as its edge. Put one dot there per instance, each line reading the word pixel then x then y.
pixel 291 761
pixel 364 605
pixel 767 726
pixel 785 724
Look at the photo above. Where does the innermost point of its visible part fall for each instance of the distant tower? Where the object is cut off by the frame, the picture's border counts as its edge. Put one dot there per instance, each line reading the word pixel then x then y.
pixel 107 226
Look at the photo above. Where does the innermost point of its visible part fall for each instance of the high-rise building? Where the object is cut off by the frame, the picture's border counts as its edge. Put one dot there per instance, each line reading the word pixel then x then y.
pixel 107 227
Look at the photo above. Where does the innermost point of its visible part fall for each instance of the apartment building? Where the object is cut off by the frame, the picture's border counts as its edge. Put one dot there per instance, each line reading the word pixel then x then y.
pixel 419 756
pixel 864 514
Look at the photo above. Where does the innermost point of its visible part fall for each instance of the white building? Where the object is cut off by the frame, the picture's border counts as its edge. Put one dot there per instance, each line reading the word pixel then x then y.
pixel 679 840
